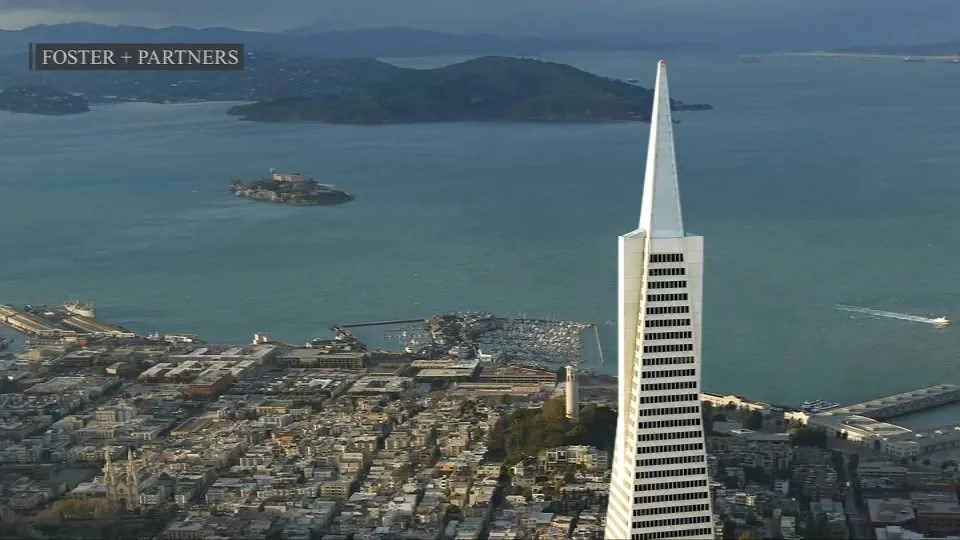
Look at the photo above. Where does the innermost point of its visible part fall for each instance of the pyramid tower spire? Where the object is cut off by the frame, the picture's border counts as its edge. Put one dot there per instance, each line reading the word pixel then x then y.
pixel 660 214
pixel 659 480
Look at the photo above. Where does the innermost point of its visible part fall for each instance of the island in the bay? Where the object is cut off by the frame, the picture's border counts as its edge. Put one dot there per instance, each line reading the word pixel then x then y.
pixel 279 88
pixel 41 100
pixel 486 88
pixel 289 188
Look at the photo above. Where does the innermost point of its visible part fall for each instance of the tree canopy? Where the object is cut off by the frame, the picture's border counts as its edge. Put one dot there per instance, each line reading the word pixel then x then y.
pixel 807 436
pixel 486 88
pixel 529 431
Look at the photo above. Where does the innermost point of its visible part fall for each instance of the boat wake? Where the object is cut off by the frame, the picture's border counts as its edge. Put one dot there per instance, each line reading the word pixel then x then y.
pixel 939 321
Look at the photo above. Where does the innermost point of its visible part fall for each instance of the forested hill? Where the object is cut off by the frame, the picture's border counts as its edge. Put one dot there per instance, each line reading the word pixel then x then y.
pixel 487 88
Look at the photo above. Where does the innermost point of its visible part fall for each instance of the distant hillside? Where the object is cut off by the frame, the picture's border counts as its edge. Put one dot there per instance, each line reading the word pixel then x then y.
pixel 267 76
pixel 41 100
pixel 364 90
pixel 947 48
pixel 381 42
pixel 488 88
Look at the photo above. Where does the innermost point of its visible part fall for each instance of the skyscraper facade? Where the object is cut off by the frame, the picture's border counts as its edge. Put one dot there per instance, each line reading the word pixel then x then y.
pixel 660 486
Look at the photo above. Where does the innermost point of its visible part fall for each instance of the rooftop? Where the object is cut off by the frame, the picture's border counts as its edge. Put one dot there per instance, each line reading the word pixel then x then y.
pixel 890 510
pixel 942 433
pixel 308 353
pixel 508 370
pixel 211 376
pixel 443 373
pixel 380 384
pixel 939 507
pixel 861 424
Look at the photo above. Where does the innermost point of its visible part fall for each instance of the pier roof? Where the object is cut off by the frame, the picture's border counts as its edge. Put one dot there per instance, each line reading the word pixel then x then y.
pixel 873 406
pixel 930 437
pixel 861 425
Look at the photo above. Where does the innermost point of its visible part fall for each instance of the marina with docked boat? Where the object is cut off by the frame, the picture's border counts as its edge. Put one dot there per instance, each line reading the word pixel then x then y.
pixel 458 339
pixel 481 352
pixel 484 336
pixel 476 335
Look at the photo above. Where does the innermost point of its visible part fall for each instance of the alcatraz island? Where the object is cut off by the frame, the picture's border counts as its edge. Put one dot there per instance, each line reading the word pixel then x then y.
pixel 290 188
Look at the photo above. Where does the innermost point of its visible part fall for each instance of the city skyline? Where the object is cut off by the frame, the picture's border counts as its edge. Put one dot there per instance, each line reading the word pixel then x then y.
pixel 659 469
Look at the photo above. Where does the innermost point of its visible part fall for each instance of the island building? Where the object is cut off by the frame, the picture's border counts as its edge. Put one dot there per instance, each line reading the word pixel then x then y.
pixel 659 483
pixel 286 177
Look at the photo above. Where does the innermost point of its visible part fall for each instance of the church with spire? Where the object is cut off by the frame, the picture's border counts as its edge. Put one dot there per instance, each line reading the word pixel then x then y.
pixel 123 480
pixel 659 484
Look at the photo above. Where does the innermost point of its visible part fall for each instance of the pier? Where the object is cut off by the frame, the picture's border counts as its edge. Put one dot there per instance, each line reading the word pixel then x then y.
pixel 867 423
pixel 896 56
pixel 381 323
pixel 46 321
pixel 900 404
pixel 93 326
pixel 25 323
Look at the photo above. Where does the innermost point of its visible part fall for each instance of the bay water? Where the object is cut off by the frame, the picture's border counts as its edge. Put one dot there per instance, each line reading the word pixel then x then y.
pixel 815 182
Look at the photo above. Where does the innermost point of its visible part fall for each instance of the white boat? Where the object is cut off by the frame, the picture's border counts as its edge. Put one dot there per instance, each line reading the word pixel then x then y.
pixel 940 321
pixel 824 406
pixel 818 405
pixel 81 308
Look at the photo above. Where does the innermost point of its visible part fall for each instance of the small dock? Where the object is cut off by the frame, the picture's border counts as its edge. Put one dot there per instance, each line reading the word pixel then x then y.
pixel 342 331
pixel 381 323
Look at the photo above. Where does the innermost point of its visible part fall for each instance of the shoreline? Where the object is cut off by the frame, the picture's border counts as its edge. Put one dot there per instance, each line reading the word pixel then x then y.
pixel 901 56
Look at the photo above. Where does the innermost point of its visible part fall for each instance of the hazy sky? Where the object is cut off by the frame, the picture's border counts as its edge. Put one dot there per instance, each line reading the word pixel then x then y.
pixel 803 22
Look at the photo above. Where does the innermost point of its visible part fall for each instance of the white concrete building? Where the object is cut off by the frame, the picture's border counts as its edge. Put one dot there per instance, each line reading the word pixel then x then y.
pixel 660 485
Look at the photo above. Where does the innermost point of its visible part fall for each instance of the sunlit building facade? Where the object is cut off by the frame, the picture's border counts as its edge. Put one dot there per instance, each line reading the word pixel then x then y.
pixel 660 486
